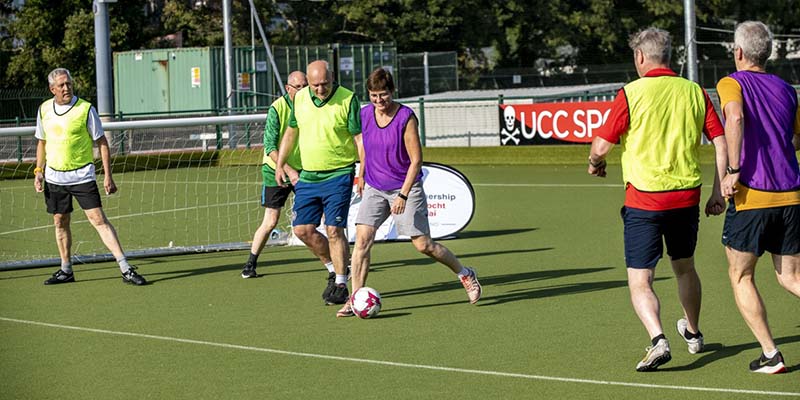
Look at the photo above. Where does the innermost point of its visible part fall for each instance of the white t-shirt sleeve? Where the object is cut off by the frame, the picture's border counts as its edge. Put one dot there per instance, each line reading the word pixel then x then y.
pixel 94 125
pixel 39 134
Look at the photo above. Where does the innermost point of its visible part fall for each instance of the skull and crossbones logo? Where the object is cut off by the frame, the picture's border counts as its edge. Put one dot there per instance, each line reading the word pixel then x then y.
pixel 509 132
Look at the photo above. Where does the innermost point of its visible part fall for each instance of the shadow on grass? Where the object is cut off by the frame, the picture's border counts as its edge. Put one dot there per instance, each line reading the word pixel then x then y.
pixel 520 294
pixel 717 351
pixel 492 233
pixel 263 270
pixel 423 260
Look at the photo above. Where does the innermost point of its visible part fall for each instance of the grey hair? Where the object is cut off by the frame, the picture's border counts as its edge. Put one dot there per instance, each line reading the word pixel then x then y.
pixel 51 77
pixel 655 44
pixel 755 40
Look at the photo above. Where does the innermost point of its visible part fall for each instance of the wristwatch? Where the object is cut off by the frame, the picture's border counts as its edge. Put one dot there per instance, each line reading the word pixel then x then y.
pixel 730 170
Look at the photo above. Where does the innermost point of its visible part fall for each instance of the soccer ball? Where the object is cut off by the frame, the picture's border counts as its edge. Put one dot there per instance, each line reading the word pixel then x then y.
pixel 366 302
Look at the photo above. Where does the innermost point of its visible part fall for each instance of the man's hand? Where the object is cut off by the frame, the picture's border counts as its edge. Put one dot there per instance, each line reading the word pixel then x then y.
pixel 38 182
pixel 279 178
pixel 292 174
pixel 597 169
pixel 729 185
pixel 109 185
pixel 715 205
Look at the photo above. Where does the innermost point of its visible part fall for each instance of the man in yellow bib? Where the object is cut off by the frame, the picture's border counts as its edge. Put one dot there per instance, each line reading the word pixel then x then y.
pixel 273 197
pixel 67 127
pixel 659 120
pixel 326 124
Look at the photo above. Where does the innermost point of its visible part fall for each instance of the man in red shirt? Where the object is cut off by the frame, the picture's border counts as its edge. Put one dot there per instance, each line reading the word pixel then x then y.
pixel 659 120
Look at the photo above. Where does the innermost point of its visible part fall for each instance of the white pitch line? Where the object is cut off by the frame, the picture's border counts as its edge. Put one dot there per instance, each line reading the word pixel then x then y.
pixel 404 365
pixel 134 215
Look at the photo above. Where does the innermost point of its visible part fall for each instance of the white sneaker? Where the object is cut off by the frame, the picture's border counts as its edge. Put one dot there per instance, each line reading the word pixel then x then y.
pixel 656 355
pixel 696 344
pixel 472 286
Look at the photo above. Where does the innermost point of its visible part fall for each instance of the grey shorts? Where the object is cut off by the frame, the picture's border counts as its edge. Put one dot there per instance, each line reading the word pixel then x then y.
pixel 376 207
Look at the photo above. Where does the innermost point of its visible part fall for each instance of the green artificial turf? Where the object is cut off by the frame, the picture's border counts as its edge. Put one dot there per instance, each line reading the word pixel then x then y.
pixel 545 240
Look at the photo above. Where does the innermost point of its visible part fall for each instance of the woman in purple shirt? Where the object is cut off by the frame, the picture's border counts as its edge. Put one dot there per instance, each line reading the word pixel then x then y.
pixel 391 166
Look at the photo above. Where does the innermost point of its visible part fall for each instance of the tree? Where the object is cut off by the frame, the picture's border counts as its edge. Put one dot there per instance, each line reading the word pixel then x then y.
pixel 61 34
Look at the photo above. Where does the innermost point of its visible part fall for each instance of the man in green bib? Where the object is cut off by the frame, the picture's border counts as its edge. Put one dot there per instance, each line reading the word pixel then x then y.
pixel 67 128
pixel 326 125
pixel 273 196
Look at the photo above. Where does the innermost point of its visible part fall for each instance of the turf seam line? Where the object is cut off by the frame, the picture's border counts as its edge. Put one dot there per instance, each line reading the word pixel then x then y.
pixel 399 364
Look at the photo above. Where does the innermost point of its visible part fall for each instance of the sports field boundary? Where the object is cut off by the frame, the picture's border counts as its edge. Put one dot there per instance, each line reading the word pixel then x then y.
pixel 399 364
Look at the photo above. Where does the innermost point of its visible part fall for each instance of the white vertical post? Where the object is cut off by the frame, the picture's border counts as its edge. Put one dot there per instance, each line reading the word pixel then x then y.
pixel 226 30
pixel 427 77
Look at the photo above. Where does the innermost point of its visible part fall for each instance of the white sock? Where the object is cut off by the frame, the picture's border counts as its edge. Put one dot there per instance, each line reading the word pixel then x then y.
pixel 464 272
pixel 123 265
pixel 329 266
pixel 772 353
pixel 341 279
pixel 67 268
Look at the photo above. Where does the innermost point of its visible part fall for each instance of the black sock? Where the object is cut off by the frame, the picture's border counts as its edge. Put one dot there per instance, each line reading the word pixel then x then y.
pixel 657 338
pixel 690 335
pixel 253 259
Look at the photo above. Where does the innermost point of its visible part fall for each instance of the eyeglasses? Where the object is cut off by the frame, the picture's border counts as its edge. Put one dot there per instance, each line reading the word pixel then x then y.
pixel 296 87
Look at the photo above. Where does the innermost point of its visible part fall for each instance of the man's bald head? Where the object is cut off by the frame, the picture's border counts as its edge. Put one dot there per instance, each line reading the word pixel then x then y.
pixel 320 78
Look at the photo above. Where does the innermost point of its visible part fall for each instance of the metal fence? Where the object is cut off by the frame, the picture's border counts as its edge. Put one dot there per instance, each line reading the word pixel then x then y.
pixel 709 73
pixel 425 73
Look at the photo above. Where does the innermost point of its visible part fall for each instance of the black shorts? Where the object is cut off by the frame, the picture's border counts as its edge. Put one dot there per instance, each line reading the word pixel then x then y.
pixel 59 198
pixel 776 230
pixel 275 196
pixel 645 232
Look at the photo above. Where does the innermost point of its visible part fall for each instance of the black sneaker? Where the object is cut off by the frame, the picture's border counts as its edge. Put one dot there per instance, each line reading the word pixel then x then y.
pixel 766 365
pixel 133 278
pixel 249 271
pixel 331 285
pixel 339 295
pixel 60 277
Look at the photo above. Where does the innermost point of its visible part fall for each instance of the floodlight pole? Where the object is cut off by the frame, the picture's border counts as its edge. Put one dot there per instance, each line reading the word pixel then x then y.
pixel 691 46
pixel 228 53
pixel 102 58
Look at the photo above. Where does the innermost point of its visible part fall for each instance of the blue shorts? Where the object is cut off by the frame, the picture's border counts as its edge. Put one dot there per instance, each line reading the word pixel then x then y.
pixel 644 231
pixel 331 197
pixel 775 229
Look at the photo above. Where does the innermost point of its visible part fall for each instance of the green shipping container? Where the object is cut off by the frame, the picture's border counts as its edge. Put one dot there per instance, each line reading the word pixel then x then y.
pixel 190 80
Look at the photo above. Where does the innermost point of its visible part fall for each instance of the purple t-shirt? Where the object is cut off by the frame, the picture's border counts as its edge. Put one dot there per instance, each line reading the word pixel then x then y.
pixel 768 160
pixel 386 159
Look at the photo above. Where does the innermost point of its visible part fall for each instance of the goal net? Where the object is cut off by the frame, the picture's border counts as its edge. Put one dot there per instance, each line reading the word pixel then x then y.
pixel 181 189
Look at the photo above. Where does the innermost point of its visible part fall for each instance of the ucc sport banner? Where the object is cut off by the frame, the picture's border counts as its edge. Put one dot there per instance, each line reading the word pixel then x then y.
pixel 451 204
pixel 551 123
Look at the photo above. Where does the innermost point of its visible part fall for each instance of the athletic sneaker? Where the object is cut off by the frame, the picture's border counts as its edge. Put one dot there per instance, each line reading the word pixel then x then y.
pixel 133 278
pixel 696 344
pixel 332 285
pixel 60 277
pixel 249 271
pixel 346 310
pixel 766 365
pixel 339 295
pixel 656 355
pixel 472 286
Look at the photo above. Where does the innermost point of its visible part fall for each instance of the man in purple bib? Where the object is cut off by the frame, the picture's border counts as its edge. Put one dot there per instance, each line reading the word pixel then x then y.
pixel 762 130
